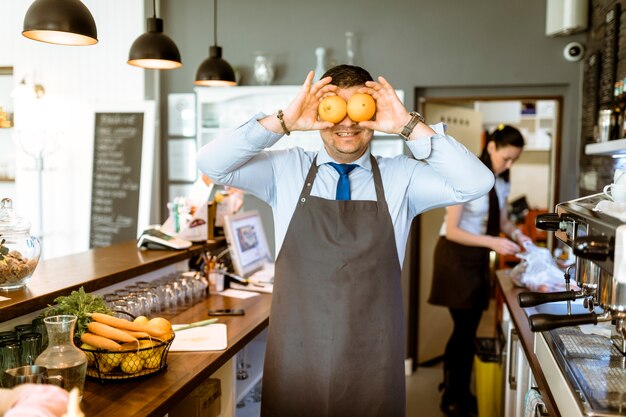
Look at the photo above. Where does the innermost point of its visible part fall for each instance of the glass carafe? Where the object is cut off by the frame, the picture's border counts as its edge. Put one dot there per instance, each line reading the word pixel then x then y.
pixel 62 357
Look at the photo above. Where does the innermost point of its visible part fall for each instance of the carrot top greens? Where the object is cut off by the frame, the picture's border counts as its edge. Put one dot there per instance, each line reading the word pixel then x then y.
pixel 80 304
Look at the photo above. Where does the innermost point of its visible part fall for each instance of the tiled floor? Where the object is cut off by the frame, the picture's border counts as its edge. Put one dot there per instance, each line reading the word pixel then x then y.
pixel 422 396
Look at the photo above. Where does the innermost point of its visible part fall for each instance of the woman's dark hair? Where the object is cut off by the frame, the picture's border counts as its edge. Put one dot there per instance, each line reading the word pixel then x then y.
pixel 345 76
pixel 504 135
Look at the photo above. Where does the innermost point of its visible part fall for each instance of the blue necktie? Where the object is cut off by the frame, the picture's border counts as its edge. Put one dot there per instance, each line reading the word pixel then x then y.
pixel 343 185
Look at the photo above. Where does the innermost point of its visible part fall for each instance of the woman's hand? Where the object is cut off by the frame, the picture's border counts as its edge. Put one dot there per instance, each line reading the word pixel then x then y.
pixel 391 115
pixel 301 114
pixel 521 238
pixel 504 246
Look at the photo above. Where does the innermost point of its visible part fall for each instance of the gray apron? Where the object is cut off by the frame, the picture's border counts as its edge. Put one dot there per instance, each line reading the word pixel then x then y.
pixel 335 345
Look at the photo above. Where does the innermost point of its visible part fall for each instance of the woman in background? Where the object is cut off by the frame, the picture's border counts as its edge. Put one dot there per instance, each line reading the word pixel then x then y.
pixel 461 267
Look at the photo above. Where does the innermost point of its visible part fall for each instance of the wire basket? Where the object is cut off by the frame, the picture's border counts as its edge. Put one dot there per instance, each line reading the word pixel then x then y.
pixel 149 358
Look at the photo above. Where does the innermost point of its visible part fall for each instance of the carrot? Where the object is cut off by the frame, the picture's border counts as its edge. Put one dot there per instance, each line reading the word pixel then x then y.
pixel 131 346
pixel 126 325
pixel 100 342
pixel 109 332
pixel 137 335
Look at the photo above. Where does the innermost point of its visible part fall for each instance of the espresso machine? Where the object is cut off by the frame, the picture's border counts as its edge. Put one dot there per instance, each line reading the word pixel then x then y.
pixel 591 358
pixel 599 242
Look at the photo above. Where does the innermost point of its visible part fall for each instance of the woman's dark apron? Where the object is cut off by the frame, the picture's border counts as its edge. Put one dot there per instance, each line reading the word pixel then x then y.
pixel 335 345
pixel 460 276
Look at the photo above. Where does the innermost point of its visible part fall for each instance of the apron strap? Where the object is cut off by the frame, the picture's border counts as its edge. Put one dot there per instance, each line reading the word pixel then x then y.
pixel 308 183
pixel 378 181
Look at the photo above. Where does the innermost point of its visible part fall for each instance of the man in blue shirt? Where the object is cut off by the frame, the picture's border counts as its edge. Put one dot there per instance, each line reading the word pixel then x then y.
pixel 342 217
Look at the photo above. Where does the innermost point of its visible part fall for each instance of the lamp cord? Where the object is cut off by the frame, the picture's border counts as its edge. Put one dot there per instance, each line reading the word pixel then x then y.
pixel 215 22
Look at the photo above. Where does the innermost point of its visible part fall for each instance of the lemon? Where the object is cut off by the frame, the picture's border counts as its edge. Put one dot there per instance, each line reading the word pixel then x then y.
pixel 131 363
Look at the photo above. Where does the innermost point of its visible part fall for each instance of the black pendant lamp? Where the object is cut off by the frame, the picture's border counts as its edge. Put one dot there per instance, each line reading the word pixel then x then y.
pixel 215 71
pixel 154 49
pixel 62 22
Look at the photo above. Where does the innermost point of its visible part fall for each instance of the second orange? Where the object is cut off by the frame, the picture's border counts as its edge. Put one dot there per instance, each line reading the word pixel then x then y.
pixel 361 107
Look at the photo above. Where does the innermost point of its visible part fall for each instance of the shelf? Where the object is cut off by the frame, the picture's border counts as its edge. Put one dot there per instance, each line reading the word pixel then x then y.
pixel 255 355
pixel 612 147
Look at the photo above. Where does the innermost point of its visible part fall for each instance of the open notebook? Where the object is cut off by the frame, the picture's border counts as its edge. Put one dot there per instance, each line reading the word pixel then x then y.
pixel 249 251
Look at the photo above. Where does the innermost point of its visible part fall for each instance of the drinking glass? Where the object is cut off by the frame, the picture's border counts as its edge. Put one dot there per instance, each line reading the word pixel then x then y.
pixel 149 290
pixel 186 289
pixel 20 329
pixel 111 298
pixel 9 356
pixel 40 327
pixel 167 295
pixel 8 335
pixel 242 373
pixel 142 302
pixel 31 348
pixel 120 307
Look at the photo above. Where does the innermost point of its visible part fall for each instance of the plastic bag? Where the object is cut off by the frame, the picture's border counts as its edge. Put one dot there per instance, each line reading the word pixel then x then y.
pixel 538 271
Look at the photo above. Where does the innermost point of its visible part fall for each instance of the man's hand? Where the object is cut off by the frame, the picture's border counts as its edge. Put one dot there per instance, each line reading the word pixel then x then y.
pixel 391 115
pixel 301 114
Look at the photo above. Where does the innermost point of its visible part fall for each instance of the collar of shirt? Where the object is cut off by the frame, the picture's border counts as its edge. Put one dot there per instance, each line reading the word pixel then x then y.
pixel 363 162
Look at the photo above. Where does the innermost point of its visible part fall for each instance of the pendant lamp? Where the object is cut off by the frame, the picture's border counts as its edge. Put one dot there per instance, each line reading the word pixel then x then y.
pixel 215 71
pixel 62 22
pixel 154 49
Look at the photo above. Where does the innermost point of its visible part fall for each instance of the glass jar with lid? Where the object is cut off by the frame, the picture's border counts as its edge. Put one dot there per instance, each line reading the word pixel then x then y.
pixel 19 251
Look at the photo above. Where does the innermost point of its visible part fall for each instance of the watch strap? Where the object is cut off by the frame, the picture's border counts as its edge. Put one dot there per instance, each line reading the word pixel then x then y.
pixel 416 118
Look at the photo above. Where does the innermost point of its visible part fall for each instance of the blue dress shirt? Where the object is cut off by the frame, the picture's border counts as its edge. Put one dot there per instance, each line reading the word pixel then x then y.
pixel 442 172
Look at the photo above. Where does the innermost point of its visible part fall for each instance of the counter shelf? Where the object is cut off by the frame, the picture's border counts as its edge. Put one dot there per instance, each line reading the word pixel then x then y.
pixel 102 267
pixel 154 396
pixel 94 269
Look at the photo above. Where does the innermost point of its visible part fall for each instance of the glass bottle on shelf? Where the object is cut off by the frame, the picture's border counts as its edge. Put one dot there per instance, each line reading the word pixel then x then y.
pixel 350 47
pixel 263 68
pixel 320 54
pixel 62 357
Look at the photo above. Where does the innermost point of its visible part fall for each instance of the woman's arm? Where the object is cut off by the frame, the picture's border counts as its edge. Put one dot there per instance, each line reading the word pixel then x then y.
pixel 454 233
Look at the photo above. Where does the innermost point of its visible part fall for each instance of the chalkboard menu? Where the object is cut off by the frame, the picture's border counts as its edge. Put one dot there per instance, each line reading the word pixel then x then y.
pixel 116 178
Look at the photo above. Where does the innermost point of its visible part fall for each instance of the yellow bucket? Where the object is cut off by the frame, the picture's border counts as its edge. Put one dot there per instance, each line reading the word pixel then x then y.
pixel 488 387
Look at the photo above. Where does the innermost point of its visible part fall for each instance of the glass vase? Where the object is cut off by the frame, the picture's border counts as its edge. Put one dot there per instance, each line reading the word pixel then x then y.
pixel 62 357
pixel 263 69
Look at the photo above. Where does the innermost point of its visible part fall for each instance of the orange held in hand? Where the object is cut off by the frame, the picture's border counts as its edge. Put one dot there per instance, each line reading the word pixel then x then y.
pixel 332 109
pixel 361 107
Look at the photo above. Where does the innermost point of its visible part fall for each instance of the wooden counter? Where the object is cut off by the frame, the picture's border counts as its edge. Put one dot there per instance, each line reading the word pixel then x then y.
pixel 94 269
pixel 155 395
pixel 99 268
pixel 509 293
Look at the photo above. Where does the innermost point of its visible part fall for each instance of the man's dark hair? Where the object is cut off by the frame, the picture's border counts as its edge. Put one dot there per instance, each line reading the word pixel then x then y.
pixel 345 76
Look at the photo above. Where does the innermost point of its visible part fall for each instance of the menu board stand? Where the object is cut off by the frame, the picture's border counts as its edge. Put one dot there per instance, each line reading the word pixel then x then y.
pixel 121 186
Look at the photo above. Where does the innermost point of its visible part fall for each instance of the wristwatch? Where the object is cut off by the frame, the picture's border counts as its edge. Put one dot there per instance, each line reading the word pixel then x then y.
pixel 415 119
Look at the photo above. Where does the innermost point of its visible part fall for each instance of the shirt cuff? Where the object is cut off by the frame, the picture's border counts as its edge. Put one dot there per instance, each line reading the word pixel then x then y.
pixel 262 136
pixel 422 146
